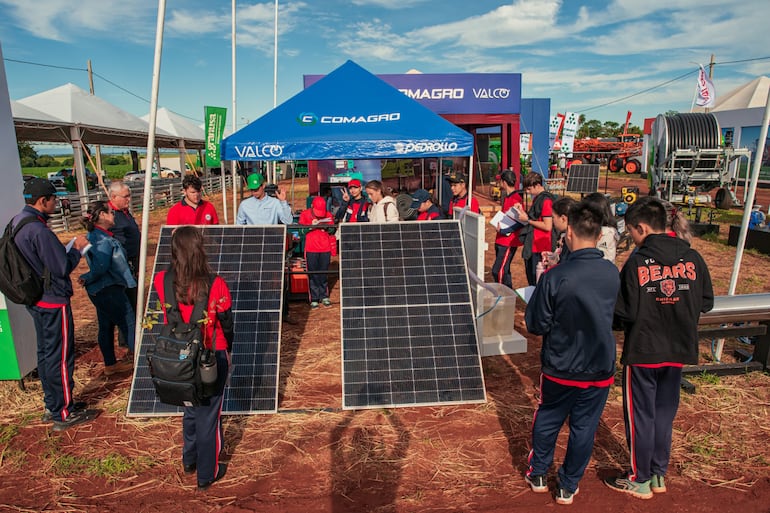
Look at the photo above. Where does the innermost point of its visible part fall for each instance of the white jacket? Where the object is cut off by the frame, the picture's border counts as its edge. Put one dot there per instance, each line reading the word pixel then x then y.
pixel 384 212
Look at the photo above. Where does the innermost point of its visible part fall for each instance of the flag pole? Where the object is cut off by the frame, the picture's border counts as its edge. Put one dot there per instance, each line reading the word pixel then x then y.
pixel 148 173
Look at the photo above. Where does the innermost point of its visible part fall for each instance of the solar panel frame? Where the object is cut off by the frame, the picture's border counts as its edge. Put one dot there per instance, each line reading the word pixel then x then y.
pixel 583 178
pixel 251 261
pixel 407 320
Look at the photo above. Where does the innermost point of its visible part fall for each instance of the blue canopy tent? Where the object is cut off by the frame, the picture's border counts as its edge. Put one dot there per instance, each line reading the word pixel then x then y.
pixel 349 114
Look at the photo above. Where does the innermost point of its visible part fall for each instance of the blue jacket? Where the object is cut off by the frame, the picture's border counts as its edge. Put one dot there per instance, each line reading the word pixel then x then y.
pixel 108 263
pixel 572 308
pixel 43 250
pixel 126 231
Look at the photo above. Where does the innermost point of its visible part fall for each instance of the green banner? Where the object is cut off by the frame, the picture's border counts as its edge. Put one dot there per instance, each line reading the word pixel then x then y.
pixel 9 365
pixel 215 127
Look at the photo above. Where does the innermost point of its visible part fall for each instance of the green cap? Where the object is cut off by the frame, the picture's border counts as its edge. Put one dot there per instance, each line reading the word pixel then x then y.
pixel 255 181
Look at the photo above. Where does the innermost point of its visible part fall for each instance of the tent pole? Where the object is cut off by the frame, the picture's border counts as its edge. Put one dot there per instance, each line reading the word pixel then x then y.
pixel 470 183
pixel 750 200
pixel 235 112
pixel 148 174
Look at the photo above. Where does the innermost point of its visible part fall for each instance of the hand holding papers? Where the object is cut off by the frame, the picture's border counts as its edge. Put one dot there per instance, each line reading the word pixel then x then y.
pixel 508 221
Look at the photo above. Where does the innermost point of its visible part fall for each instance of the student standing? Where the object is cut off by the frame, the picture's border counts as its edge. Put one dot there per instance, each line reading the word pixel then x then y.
pixel 201 425
pixel 192 208
pixel 538 238
pixel 506 242
pixel 572 308
pixel 52 315
pixel 355 207
pixel 459 185
pixel 320 246
pixel 383 209
pixel 423 204
pixel 106 284
pixel 665 286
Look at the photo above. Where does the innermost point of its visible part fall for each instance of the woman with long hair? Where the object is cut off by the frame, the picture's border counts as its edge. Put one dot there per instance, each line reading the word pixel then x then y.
pixel 383 209
pixel 194 281
pixel 106 284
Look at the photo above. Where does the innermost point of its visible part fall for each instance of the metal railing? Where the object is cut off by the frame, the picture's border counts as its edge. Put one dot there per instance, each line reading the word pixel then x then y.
pixel 164 193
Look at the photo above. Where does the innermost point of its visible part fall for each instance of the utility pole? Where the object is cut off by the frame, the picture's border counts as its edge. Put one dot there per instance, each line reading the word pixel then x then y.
pixel 98 169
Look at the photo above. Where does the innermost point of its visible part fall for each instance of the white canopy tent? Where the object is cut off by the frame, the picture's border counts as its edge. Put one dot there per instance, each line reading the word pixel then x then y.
pixel 188 133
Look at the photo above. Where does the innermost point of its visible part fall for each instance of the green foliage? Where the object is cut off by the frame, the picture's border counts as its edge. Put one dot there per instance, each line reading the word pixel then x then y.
pixel 27 162
pixel 26 150
pixel 46 161
pixel 7 432
pixel 114 160
pixel 68 162
pixel 594 128
pixel 112 465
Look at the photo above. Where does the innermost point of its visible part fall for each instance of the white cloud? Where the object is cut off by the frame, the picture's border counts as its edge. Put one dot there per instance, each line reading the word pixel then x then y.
pixel 61 21
pixel 388 4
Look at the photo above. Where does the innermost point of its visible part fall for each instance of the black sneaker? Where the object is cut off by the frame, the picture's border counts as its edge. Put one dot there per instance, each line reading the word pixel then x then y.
pixel 189 469
pixel 78 417
pixel 538 484
pixel 565 497
pixel 47 417
pixel 204 485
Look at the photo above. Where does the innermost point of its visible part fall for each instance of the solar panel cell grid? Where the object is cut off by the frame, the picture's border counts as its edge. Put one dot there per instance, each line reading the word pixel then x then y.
pixel 408 330
pixel 250 260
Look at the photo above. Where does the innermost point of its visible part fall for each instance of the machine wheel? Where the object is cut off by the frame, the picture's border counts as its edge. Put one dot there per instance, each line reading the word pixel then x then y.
pixel 722 199
pixel 615 164
pixel 632 166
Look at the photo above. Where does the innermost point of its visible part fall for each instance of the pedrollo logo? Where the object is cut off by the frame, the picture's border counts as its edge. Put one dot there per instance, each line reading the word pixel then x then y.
pixel 426 147
pixel 259 151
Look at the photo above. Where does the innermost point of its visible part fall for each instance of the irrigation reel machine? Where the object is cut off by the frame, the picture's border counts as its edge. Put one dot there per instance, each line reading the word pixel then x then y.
pixel 690 159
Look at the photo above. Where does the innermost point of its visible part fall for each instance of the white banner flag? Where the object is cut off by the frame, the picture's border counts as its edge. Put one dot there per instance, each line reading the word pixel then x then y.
pixel 706 92
pixel 569 131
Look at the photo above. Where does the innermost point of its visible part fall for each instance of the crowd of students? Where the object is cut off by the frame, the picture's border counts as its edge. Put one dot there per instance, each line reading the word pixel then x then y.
pixel 568 248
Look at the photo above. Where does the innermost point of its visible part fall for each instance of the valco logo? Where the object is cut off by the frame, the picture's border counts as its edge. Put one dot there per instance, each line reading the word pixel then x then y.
pixel 489 93
pixel 307 119
pixel 259 151
pixel 425 147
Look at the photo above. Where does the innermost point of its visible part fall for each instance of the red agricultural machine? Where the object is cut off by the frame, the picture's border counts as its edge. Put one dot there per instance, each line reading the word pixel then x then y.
pixel 624 152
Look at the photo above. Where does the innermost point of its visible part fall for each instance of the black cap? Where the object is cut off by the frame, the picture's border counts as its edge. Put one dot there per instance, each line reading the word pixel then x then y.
pixel 37 188
pixel 457 178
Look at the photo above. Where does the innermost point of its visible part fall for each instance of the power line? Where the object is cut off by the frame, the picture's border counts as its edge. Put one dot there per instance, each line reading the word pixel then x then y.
pixel 680 77
pixel 96 75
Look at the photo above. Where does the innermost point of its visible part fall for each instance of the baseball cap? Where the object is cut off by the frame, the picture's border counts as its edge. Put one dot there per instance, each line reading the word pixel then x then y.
pixel 38 187
pixel 255 181
pixel 319 207
pixel 457 178
pixel 355 182
pixel 419 197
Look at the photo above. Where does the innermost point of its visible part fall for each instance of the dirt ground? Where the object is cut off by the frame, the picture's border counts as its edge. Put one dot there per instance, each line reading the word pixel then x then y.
pixel 313 456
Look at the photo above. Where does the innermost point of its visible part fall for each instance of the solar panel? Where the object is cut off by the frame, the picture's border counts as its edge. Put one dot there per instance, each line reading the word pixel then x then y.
pixel 251 261
pixel 408 330
pixel 583 178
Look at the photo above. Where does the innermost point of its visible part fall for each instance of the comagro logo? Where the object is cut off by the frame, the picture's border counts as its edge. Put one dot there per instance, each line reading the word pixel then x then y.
pixel 310 119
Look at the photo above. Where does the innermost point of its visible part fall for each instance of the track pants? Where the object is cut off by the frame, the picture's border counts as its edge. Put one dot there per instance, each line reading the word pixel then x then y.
pixel 55 356
pixel 319 282
pixel 650 402
pixel 501 269
pixel 202 428
pixel 113 309
pixel 584 408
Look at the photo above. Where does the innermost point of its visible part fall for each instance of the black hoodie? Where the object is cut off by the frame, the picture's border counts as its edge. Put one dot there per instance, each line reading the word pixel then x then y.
pixel 665 286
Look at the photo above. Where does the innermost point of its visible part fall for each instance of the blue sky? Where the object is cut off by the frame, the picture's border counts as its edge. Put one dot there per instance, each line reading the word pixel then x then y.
pixel 582 54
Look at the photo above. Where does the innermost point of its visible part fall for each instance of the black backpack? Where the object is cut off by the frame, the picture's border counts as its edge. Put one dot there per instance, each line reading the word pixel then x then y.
pixel 18 280
pixel 175 361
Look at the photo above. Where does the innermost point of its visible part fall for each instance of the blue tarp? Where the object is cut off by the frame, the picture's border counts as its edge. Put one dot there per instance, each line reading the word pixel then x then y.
pixel 349 114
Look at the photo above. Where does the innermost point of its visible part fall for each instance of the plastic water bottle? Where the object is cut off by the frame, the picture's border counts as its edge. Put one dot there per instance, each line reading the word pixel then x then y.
pixel 208 372
pixel 539 271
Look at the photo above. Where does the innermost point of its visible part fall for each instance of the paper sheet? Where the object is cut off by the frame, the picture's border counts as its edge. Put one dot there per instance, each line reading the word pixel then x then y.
pixel 525 293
